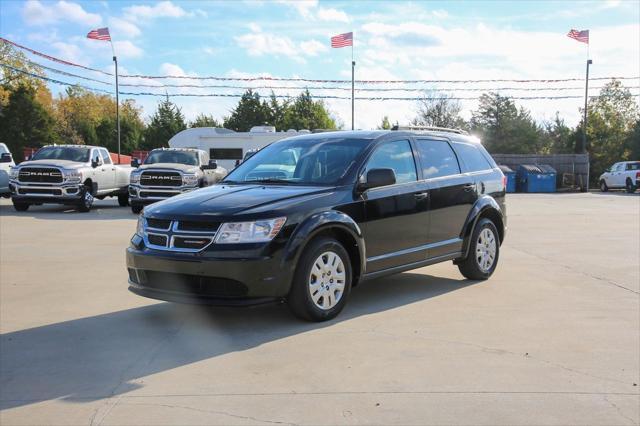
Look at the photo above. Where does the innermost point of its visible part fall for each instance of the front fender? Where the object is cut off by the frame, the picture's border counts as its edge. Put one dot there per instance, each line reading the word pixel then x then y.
pixel 317 223
pixel 485 204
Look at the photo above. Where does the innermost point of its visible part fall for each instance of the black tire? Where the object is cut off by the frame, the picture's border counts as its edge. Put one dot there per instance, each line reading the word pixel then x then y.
pixel 603 186
pixel 136 208
pixel 300 299
pixel 86 200
pixel 630 187
pixel 123 200
pixel 21 207
pixel 470 266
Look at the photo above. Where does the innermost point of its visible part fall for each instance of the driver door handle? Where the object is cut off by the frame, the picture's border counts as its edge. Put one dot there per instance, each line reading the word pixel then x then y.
pixel 421 195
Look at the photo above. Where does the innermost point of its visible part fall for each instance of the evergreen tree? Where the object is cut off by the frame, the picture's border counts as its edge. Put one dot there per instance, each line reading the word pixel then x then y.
pixel 164 124
pixel 203 120
pixel 251 111
pixel 305 113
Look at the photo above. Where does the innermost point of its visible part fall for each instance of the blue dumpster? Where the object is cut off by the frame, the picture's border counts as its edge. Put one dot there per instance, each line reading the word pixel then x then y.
pixel 536 178
pixel 511 178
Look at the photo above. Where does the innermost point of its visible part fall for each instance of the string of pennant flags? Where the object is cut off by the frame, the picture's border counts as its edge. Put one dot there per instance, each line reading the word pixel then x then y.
pixel 235 95
pixel 295 79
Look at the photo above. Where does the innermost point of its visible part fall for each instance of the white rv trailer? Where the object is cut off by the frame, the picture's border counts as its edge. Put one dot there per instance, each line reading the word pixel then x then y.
pixel 226 146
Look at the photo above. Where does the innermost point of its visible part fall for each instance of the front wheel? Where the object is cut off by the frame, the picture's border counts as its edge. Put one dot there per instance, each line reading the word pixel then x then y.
pixel 136 208
pixel 322 281
pixel 483 252
pixel 123 200
pixel 86 201
pixel 630 187
pixel 603 186
pixel 20 207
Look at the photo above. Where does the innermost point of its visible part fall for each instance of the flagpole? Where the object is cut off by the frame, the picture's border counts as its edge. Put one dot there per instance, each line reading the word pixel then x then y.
pixel 353 71
pixel 115 60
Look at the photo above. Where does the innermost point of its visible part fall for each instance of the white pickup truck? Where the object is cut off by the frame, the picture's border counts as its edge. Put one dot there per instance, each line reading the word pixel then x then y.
pixel 622 175
pixel 68 174
pixel 6 162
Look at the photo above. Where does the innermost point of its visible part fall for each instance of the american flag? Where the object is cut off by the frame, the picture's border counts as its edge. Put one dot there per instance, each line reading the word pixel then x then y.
pixel 582 36
pixel 342 40
pixel 100 34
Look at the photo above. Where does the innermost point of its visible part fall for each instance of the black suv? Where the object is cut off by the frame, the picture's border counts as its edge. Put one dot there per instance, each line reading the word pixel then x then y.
pixel 307 218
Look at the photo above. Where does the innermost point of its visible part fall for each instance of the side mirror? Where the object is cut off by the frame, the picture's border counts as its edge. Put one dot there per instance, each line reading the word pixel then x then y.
pixel 211 166
pixel 135 163
pixel 6 157
pixel 377 178
pixel 95 163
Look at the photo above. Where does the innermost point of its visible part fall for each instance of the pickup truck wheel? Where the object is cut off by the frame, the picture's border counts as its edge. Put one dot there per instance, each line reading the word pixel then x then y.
pixel 86 201
pixel 483 252
pixel 603 186
pixel 630 187
pixel 21 207
pixel 322 281
pixel 136 208
pixel 123 200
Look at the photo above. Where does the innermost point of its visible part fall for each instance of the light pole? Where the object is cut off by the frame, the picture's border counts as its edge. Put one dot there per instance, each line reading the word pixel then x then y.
pixel 585 188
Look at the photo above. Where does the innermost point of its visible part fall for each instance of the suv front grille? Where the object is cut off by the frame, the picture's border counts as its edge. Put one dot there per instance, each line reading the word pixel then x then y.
pixel 153 178
pixel 40 175
pixel 187 236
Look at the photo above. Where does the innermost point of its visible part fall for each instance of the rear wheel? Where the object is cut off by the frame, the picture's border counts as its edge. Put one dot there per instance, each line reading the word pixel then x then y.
pixel 123 200
pixel 630 187
pixel 603 186
pixel 136 208
pixel 322 281
pixel 483 252
pixel 20 207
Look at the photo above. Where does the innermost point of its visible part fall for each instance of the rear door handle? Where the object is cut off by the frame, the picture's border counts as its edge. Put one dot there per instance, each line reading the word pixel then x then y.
pixel 469 186
pixel 421 195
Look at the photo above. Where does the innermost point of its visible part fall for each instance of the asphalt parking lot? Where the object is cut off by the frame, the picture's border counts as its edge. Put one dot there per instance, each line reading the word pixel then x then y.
pixel 552 338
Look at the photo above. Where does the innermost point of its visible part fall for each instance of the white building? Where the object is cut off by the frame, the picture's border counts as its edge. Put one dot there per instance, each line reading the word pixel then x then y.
pixel 226 146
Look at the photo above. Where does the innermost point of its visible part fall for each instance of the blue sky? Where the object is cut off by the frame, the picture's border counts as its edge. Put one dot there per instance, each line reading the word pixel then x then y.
pixel 394 40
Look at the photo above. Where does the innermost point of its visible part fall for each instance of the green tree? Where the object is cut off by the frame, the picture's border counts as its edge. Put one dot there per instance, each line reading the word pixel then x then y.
pixel 612 117
pixel 24 122
pixel 131 129
pixel 558 137
pixel 250 111
pixel 164 124
pixel 633 142
pixel 203 120
pixel 504 128
pixel 305 113
pixel 437 110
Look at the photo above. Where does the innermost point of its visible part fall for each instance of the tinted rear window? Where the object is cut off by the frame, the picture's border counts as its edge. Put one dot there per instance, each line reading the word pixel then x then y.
pixel 633 166
pixel 472 158
pixel 437 158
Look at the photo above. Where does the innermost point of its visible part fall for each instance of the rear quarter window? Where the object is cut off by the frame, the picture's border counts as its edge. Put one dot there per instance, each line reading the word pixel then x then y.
pixel 472 158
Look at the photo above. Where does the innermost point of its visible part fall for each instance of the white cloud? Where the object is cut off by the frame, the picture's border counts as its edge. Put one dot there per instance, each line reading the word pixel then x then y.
pixel 332 15
pixel 122 28
pixel 313 47
pixel 259 43
pixel 163 9
pixel 127 49
pixel 303 7
pixel 68 51
pixel 35 12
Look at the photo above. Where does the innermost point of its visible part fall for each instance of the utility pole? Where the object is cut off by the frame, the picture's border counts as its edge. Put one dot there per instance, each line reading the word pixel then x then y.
pixel 353 72
pixel 115 60
pixel 585 188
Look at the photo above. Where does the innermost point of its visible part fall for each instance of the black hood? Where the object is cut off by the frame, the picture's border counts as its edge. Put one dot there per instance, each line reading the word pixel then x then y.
pixel 223 201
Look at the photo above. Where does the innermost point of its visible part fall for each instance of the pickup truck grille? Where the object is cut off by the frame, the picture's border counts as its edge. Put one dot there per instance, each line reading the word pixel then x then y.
pixel 161 179
pixel 40 175
pixel 183 236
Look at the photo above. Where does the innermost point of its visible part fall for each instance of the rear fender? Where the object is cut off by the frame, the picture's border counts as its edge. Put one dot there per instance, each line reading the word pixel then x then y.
pixel 484 206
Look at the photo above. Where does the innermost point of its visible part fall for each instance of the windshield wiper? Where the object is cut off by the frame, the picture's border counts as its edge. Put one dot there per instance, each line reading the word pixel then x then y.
pixel 273 180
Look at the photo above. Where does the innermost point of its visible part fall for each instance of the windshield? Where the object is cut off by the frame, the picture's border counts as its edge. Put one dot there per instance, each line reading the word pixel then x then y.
pixel 188 158
pixel 300 161
pixel 79 155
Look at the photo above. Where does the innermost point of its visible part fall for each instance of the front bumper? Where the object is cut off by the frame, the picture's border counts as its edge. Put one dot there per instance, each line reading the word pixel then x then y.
pixel 143 195
pixel 214 277
pixel 61 193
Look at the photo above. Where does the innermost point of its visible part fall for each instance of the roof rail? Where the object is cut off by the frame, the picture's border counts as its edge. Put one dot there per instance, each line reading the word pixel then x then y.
pixel 430 128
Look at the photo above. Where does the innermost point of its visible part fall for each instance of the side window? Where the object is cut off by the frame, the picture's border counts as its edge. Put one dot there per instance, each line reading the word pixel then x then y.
pixel 106 158
pixel 395 155
pixel 437 158
pixel 472 157
pixel 619 167
pixel 95 156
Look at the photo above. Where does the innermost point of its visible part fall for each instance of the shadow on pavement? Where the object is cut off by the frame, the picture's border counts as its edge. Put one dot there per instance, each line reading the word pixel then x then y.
pixel 102 209
pixel 97 357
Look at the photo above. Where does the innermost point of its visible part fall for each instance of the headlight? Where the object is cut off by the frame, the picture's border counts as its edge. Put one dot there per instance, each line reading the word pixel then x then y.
pixel 189 179
pixel 72 175
pixel 135 178
pixel 250 232
pixel 140 226
pixel 13 174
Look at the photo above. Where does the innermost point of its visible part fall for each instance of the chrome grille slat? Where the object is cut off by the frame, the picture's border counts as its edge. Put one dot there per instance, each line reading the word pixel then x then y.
pixel 176 239
pixel 40 175
pixel 160 178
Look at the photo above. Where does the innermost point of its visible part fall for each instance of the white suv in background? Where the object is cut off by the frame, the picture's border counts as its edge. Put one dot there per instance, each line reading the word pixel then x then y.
pixel 6 162
pixel 625 174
